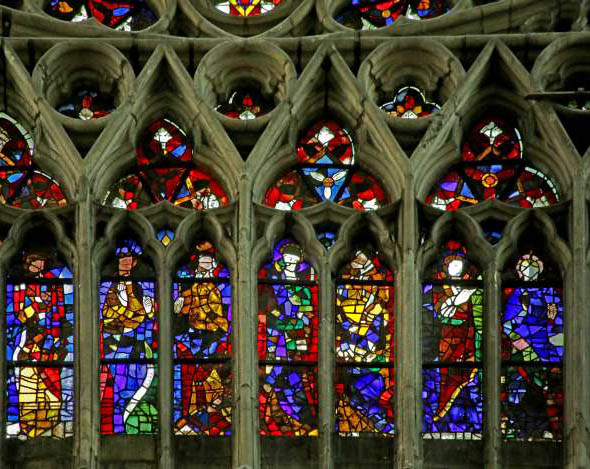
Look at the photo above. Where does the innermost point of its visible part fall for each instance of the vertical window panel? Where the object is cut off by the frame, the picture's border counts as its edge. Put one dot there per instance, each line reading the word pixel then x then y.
pixel 40 347
pixel 128 344
pixel 202 345
pixel 288 343
pixel 532 351
pixel 452 315
pixel 365 351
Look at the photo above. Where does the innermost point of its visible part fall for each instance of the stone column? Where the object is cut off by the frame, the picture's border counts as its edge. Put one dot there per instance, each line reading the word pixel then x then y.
pixel 166 455
pixel 407 313
pixel 246 449
pixel 576 322
pixel 86 339
pixel 492 367
pixel 326 368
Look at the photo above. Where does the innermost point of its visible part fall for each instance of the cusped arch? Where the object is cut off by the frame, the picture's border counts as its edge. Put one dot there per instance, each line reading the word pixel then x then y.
pixel 288 224
pixel 197 226
pixel 124 224
pixel 370 229
pixel 546 234
pixel 455 225
pixel 27 226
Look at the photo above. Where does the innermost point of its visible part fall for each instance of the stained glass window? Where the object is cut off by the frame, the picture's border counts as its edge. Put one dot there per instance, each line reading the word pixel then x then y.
pixel 122 15
pixel 22 184
pixel 40 347
pixel 87 104
pixel 326 170
pixel 493 166
pixel 247 7
pixel 452 317
pixel 165 171
pixel 245 105
pixel 372 14
pixel 532 350
pixel 288 343
pixel 409 103
pixel 202 345
pixel 365 375
pixel 128 344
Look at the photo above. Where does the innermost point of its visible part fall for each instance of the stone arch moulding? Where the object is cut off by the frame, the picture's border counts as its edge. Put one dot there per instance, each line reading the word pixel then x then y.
pixel 370 227
pixel 22 229
pixel 67 67
pixel 450 225
pixel 427 65
pixel 256 65
pixel 557 249
pixel 327 89
pixel 115 152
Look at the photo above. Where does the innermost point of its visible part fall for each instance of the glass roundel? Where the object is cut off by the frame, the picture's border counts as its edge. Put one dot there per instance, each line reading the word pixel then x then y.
pixel 493 166
pixel 373 14
pixel 122 15
pixel 409 103
pixel 165 172
pixel 326 170
pixel 22 184
pixel 246 7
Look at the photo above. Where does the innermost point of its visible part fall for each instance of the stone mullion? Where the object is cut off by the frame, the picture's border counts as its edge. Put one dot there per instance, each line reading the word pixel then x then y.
pixel 326 367
pixel 246 442
pixel 87 415
pixel 576 375
pixel 407 337
pixel 166 454
pixel 491 367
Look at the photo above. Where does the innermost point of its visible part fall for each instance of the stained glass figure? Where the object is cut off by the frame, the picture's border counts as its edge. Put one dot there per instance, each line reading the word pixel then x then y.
pixel 40 347
pixel 202 345
pixel 87 104
pixel 373 14
pixel 288 343
pixel 493 167
pixel 452 321
pixel 165 236
pixel 326 171
pixel 410 103
pixel 128 344
pixel 245 105
pixel 365 378
pixel 532 351
pixel 166 172
pixel 22 184
pixel 121 15
pixel 247 7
